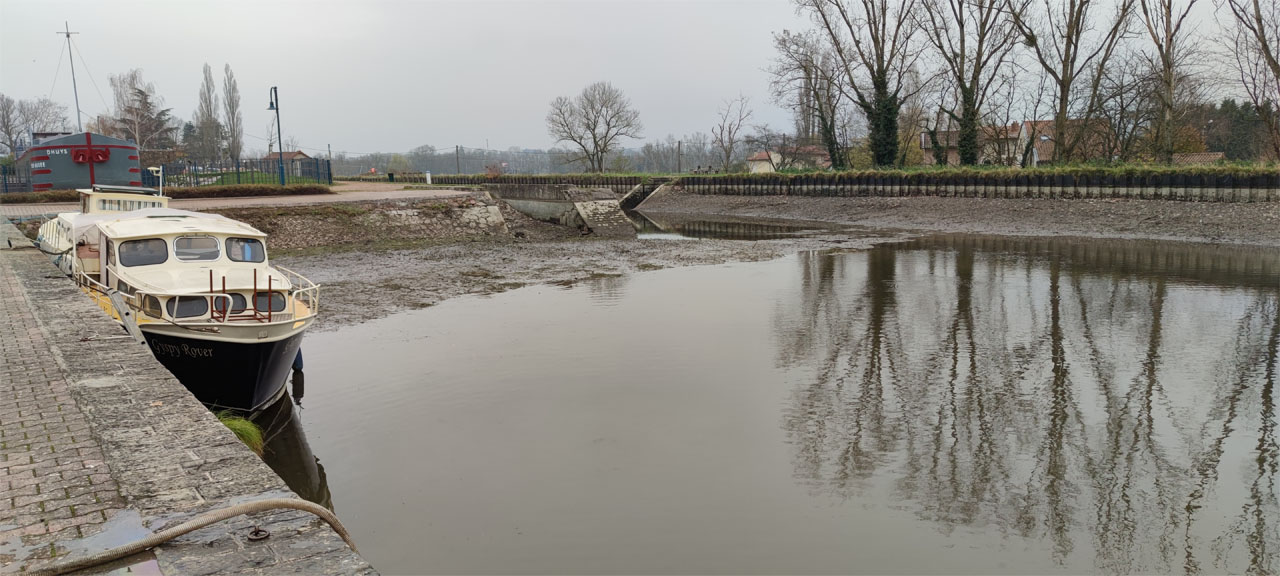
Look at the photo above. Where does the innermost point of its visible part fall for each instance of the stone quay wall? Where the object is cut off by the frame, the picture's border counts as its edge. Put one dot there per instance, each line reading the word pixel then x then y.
pixel 979 188
pixel 100 445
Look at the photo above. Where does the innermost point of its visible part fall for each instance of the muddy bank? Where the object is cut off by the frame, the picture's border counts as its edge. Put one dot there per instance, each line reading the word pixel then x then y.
pixel 373 224
pixel 1257 223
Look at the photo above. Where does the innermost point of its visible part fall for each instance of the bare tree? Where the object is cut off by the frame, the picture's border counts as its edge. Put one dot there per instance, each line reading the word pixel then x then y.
pixel 973 39
pixel 208 129
pixel 233 121
pixel 1164 21
pixel 593 122
pixel 1254 43
pixel 139 113
pixel 727 132
pixel 42 115
pixel 10 128
pixel 1124 106
pixel 1259 23
pixel 1065 41
pixel 808 78
pixel 874 43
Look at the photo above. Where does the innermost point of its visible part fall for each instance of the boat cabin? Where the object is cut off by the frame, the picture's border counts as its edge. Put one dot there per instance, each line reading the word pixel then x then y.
pixel 104 199
pixel 189 267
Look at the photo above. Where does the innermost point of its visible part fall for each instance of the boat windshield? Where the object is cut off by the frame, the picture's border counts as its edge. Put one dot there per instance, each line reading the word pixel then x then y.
pixel 144 252
pixel 245 250
pixel 196 248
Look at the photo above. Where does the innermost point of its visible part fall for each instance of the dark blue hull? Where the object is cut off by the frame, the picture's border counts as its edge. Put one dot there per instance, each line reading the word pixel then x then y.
pixel 226 375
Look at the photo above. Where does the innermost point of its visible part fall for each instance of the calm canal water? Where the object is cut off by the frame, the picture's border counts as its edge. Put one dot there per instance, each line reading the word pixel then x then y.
pixel 948 405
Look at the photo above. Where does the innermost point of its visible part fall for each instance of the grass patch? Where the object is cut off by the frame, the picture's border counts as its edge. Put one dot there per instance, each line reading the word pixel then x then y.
pixel 244 429
pixel 234 191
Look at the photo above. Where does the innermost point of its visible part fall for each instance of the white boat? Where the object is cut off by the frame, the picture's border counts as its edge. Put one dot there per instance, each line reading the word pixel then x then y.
pixel 196 287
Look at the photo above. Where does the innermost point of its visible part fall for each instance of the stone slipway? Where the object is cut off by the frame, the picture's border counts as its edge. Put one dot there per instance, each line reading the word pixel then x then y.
pixel 100 445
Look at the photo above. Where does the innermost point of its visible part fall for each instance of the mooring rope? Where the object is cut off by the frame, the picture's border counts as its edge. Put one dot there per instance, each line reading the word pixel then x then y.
pixel 196 523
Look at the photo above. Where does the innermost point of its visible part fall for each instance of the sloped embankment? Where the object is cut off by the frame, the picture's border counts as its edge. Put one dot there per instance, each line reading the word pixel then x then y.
pixel 376 224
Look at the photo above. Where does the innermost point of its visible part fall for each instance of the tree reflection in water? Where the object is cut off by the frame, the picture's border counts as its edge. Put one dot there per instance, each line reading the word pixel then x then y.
pixel 1114 400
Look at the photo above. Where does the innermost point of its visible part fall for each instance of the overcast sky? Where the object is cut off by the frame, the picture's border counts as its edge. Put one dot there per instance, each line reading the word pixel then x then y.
pixel 388 76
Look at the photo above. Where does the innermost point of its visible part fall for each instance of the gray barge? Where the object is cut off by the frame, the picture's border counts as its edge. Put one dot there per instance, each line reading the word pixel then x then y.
pixel 72 161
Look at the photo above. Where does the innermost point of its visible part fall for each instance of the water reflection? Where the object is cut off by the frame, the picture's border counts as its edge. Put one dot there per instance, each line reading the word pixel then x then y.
pixel 1115 400
pixel 286 449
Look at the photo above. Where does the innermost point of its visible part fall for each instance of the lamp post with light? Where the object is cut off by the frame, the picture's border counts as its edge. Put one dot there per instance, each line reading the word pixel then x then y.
pixel 275 105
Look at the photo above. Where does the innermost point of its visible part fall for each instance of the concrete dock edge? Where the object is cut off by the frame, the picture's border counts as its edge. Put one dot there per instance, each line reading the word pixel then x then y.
pixel 165 456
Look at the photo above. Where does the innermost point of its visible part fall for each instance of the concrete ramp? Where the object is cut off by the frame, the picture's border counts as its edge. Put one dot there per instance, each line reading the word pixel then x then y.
pixel 605 218
pixel 594 210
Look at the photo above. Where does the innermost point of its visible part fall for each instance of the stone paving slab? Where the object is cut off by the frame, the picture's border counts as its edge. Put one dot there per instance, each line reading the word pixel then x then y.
pixel 54 482
pixel 100 440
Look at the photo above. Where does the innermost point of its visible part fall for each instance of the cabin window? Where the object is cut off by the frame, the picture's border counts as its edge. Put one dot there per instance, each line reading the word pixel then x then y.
pixel 196 248
pixel 238 303
pixel 260 301
pixel 144 252
pixel 187 306
pixel 125 288
pixel 151 306
pixel 245 250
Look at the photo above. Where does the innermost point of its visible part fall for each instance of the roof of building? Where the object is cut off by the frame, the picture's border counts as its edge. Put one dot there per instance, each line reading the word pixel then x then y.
pixel 1187 158
pixel 760 156
pixel 293 155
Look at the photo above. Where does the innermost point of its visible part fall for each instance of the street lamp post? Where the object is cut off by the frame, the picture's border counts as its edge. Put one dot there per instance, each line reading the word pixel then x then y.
pixel 275 105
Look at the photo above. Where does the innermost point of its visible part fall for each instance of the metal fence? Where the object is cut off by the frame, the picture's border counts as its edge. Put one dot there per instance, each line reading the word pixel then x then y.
pixel 13 179
pixel 189 174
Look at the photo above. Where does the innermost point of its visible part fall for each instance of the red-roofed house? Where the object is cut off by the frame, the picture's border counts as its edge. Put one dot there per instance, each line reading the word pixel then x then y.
pixel 1192 158
pixel 293 161
pixel 996 145
pixel 798 157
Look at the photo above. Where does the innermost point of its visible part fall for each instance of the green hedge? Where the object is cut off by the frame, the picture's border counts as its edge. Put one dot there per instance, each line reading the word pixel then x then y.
pixel 234 191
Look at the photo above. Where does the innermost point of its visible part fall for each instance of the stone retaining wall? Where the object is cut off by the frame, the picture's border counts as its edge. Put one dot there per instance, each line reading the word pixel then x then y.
pixel 980 189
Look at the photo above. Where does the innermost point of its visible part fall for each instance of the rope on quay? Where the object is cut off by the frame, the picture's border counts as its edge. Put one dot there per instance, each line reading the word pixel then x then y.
pixel 196 523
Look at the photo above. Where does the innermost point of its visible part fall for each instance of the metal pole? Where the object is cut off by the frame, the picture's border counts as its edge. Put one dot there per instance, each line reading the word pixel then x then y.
pixel 457 158
pixel 74 89
pixel 275 99
pixel 679 155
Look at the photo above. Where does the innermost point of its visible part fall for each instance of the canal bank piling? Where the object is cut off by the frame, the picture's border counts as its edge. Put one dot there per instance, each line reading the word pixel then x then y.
pixel 100 445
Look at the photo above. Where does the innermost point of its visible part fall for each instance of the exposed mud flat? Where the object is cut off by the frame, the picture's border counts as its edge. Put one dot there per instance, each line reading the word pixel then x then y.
pixel 365 285
pixel 1237 223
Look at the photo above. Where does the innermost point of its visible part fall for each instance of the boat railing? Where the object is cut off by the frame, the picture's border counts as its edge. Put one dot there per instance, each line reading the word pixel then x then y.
pixel 220 305
pixel 304 291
